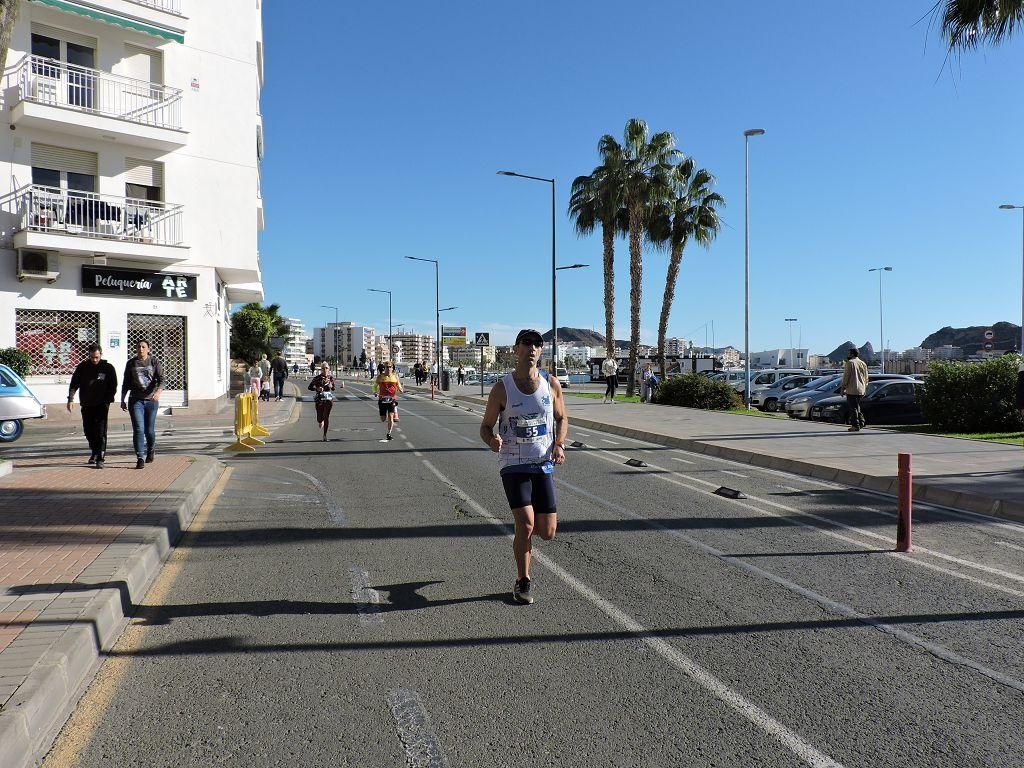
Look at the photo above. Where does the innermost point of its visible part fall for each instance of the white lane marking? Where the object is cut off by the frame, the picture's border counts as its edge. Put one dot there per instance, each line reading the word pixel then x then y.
pixel 732 698
pixel 684 461
pixel 366 598
pixel 734 474
pixel 304 498
pixel 334 513
pixel 610 442
pixel 834 534
pixel 414 729
pixel 1011 546
pixel 827 603
pixel 791 488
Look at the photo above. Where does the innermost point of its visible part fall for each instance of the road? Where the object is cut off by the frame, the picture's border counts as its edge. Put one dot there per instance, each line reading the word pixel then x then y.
pixel 348 604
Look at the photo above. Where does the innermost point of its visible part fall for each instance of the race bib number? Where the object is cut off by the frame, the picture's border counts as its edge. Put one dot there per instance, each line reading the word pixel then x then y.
pixel 326 395
pixel 530 429
pixel 387 400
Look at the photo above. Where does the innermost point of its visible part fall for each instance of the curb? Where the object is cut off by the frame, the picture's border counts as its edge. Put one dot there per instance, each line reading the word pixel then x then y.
pixel 923 490
pixel 33 717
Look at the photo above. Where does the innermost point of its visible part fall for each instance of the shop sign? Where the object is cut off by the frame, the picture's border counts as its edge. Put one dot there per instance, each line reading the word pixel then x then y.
pixel 453 335
pixel 138 283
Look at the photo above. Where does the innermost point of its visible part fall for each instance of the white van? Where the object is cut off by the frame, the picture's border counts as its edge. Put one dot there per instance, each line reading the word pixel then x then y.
pixel 764 378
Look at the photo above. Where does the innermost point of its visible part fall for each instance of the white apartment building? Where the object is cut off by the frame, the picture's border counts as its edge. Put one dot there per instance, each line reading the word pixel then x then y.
pixel 470 355
pixel 413 347
pixel 779 358
pixel 345 341
pixel 133 199
pixel 294 352
pixel 676 347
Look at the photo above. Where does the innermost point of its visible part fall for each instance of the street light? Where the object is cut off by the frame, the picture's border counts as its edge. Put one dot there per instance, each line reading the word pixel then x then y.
pixel 791 320
pixel 1008 207
pixel 437 305
pixel 333 337
pixel 380 290
pixel 881 334
pixel 440 357
pixel 746 256
pixel 554 338
pixel 554 269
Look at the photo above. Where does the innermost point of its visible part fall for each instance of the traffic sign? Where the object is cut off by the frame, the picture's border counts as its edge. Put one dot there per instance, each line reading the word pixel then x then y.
pixel 989 334
pixel 988 346
pixel 483 340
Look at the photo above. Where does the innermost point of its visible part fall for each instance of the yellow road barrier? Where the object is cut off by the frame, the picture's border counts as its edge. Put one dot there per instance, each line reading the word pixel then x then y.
pixel 247 424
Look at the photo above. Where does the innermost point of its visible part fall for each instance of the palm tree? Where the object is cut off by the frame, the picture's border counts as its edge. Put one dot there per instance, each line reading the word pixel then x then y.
pixel 690 214
pixel 596 201
pixel 8 15
pixel 967 24
pixel 646 169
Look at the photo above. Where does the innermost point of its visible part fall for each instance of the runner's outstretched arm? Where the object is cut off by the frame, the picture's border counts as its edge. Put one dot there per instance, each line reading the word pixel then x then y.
pixel 561 421
pixel 495 405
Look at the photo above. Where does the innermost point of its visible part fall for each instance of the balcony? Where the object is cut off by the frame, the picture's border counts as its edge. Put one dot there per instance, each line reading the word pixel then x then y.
pixel 86 223
pixel 87 102
pixel 169 6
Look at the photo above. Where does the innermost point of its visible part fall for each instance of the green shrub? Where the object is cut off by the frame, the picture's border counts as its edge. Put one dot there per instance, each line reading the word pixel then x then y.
pixel 973 397
pixel 16 360
pixel 691 390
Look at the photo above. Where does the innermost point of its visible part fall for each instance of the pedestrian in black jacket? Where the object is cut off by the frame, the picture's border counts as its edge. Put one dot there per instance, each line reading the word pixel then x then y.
pixel 95 380
pixel 144 380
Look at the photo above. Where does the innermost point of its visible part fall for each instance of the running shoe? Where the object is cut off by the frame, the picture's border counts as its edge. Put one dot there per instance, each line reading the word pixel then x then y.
pixel 389 437
pixel 92 459
pixel 521 592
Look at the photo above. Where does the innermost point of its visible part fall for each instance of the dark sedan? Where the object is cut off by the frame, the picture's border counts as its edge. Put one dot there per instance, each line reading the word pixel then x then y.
pixel 885 402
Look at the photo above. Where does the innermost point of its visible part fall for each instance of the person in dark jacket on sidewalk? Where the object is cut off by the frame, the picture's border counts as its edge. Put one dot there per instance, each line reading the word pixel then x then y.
pixel 279 369
pixel 95 380
pixel 144 379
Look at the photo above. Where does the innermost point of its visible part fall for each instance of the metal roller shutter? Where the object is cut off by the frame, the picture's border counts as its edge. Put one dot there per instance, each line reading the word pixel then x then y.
pixel 145 172
pixel 63 34
pixel 64 159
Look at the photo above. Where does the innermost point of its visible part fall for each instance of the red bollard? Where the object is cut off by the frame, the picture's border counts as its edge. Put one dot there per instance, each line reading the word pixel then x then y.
pixel 906 495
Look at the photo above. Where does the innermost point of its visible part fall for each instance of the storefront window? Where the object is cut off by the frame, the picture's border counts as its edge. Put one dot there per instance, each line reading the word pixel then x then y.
pixel 55 340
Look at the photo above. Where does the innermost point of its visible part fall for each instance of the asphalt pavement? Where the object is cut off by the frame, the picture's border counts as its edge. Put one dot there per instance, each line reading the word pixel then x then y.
pixel 348 603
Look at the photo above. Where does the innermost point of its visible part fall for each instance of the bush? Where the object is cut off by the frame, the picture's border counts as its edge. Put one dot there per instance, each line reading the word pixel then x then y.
pixel 691 390
pixel 16 360
pixel 973 397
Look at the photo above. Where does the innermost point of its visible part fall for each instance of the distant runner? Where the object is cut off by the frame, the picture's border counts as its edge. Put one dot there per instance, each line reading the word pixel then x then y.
pixel 387 387
pixel 528 407
pixel 323 385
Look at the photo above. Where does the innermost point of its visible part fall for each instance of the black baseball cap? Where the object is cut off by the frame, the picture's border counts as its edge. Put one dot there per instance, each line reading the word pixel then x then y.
pixel 530 336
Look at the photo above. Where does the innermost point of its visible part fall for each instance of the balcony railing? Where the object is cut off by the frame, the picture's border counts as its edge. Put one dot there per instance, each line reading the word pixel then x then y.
pixel 57 83
pixel 171 6
pixel 87 214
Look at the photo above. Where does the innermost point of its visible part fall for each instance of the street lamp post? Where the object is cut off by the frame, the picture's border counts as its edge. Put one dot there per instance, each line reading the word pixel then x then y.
pixel 380 290
pixel 554 269
pixel 554 338
pixel 881 333
pixel 440 356
pixel 334 337
pixel 746 256
pixel 791 320
pixel 437 306
pixel 1007 207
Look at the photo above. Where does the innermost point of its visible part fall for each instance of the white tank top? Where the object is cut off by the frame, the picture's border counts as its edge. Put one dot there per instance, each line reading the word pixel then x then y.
pixel 526 427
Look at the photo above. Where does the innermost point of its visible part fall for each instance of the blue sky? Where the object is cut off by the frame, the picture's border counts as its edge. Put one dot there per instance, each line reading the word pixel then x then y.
pixel 385 125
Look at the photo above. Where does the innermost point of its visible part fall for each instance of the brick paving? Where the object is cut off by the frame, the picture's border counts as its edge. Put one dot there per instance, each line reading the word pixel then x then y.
pixel 58 518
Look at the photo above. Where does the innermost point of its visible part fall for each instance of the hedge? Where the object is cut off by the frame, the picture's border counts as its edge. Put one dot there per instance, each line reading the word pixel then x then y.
pixel 16 360
pixel 692 390
pixel 973 397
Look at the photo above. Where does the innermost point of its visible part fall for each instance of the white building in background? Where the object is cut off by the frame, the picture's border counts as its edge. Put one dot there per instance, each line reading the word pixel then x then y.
pixel 948 352
pixel 295 343
pixel 470 355
pixel 133 201
pixel 345 341
pixel 676 346
pixel 779 358
pixel 414 347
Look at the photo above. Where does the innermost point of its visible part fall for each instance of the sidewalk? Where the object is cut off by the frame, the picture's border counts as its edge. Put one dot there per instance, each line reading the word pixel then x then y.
pixel 79 547
pixel 972 475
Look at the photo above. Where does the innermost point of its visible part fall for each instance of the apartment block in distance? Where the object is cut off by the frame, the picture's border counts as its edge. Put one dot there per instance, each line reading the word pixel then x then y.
pixel 133 200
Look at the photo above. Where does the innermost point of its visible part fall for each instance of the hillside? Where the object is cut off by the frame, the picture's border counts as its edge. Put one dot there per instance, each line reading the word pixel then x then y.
pixel 1007 336
pixel 582 336
pixel 867 352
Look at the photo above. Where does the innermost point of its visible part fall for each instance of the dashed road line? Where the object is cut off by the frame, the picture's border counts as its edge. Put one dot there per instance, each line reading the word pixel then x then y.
pixel 415 730
pixel 366 598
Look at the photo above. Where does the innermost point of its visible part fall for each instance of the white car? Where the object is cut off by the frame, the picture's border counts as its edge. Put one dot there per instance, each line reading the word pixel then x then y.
pixel 563 376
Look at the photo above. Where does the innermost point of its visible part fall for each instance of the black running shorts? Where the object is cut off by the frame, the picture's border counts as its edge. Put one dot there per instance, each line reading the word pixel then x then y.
pixel 386 408
pixel 525 489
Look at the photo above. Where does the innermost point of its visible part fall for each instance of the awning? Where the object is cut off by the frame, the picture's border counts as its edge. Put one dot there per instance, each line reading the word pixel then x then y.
pixel 113 18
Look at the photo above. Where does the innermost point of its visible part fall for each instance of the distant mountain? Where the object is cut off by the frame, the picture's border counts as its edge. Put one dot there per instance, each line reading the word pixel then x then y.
pixel 971 339
pixel 582 336
pixel 837 355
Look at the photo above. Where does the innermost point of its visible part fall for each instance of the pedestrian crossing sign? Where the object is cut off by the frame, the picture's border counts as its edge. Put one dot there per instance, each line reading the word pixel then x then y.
pixel 483 340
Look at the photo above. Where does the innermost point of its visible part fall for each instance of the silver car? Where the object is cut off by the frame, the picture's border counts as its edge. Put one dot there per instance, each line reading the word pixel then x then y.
pixel 17 403
pixel 766 398
pixel 799 406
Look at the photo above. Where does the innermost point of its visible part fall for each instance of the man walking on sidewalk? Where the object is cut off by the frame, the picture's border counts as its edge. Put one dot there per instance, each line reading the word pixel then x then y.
pixel 610 372
pixel 529 409
pixel 854 384
pixel 95 380
pixel 279 368
pixel 144 379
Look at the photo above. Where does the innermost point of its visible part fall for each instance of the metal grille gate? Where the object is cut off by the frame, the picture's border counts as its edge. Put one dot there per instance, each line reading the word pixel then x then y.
pixel 56 340
pixel 168 341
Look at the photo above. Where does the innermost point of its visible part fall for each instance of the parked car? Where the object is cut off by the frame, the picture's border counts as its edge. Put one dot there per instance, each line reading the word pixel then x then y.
pixel 17 403
pixel 766 398
pixel 764 378
pixel 885 402
pixel 799 404
pixel 563 376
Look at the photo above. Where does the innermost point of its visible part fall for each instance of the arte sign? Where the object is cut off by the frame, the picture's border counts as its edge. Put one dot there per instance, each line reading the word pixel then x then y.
pixel 138 283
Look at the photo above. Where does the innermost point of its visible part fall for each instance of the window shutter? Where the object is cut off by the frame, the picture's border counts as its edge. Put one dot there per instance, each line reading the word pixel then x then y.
pixel 63 159
pixel 144 172
pixel 65 35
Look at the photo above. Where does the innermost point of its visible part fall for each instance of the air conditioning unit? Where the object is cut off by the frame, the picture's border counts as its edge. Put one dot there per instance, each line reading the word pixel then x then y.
pixel 38 265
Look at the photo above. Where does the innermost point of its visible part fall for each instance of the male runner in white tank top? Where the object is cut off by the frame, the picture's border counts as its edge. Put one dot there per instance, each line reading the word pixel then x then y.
pixel 529 409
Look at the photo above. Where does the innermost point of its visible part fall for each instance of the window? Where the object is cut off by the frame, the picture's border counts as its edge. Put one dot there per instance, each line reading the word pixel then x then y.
pixel 63 168
pixel 55 340
pixel 143 180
